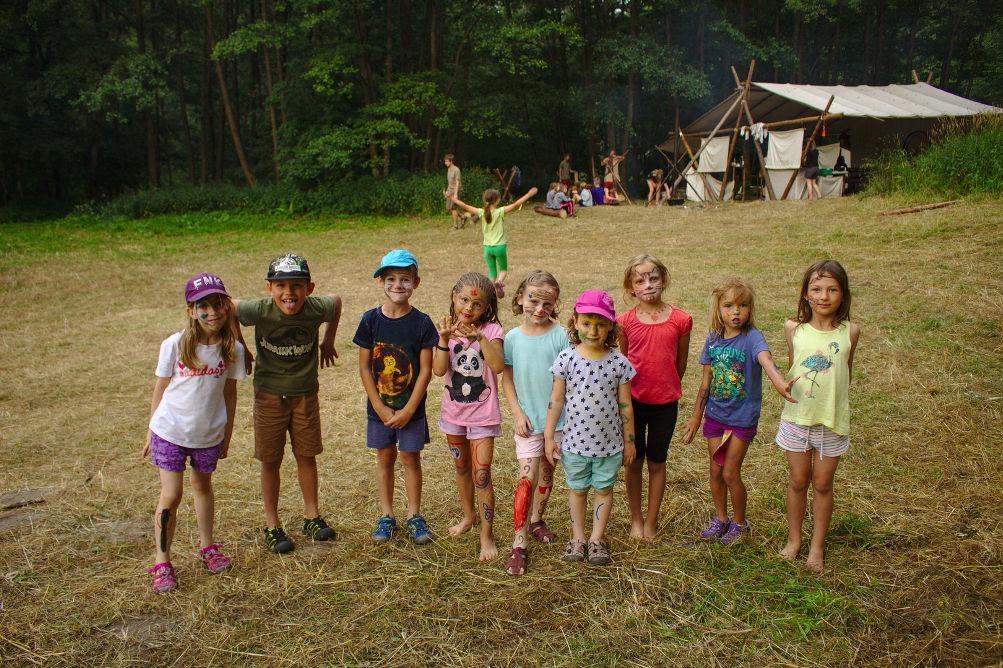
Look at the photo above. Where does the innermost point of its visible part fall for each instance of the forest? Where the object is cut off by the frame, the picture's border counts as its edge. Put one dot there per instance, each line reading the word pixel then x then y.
pixel 103 97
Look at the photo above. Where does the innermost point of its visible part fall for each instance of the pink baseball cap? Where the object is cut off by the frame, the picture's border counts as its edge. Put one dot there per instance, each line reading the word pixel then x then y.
pixel 201 286
pixel 598 302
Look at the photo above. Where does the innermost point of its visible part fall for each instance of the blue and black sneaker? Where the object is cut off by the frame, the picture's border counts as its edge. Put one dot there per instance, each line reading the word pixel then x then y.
pixel 277 541
pixel 419 531
pixel 318 530
pixel 386 527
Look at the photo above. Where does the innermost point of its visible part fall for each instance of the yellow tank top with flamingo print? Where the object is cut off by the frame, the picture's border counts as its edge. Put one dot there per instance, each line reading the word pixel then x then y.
pixel 821 359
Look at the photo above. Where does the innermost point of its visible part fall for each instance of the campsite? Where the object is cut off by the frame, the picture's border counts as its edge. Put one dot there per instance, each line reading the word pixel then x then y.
pixel 328 174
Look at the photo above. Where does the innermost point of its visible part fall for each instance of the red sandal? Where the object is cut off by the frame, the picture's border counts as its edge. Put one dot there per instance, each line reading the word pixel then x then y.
pixel 518 561
pixel 542 532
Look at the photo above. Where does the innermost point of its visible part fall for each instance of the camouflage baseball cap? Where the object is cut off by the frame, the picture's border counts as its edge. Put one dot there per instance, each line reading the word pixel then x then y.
pixel 288 266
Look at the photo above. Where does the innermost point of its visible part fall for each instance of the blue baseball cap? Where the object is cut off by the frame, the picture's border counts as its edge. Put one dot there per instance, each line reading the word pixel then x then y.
pixel 397 258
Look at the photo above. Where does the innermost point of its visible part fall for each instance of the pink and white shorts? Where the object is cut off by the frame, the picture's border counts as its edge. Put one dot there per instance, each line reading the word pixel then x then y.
pixel 532 445
pixel 798 438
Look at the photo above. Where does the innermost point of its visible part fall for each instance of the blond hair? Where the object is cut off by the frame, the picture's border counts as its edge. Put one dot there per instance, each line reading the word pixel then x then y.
pixel 636 261
pixel 739 289
pixel 192 335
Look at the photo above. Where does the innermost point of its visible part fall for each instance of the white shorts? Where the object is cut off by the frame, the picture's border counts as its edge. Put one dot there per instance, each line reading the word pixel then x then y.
pixel 798 438
pixel 532 445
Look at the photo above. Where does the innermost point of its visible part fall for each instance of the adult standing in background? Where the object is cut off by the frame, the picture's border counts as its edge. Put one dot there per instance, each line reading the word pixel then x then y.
pixel 811 173
pixel 564 171
pixel 453 188
pixel 612 165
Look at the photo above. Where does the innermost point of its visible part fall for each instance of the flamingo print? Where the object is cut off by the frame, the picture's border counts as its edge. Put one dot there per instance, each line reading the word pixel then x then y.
pixel 816 364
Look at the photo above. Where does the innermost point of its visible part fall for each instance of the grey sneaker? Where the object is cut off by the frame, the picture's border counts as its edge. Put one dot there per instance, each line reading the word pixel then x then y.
pixel 716 529
pixel 734 532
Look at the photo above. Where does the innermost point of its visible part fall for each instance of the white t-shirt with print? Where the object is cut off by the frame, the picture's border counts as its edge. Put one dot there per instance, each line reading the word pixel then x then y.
pixel 192 412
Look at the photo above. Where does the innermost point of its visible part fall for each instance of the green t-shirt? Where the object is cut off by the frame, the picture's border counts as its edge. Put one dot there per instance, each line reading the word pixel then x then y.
pixel 494 232
pixel 287 345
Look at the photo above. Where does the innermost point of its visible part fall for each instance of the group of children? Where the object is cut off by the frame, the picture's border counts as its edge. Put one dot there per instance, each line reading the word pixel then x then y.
pixel 599 393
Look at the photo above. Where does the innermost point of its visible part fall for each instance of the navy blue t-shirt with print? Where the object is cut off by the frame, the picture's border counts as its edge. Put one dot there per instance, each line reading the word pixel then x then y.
pixel 736 379
pixel 395 345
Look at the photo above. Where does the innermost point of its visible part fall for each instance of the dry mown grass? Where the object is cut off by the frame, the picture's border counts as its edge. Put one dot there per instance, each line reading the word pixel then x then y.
pixel 914 554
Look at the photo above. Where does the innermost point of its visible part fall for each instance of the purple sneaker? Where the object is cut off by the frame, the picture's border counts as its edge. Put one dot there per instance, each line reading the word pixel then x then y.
pixel 734 532
pixel 716 529
pixel 164 579
pixel 214 559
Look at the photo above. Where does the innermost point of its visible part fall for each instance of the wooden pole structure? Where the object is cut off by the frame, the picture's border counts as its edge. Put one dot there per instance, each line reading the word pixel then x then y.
pixel 706 186
pixel 693 158
pixel 734 133
pixel 755 143
pixel 804 151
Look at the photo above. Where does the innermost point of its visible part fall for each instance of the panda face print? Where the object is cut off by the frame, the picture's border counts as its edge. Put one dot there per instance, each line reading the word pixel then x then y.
pixel 467 383
pixel 467 361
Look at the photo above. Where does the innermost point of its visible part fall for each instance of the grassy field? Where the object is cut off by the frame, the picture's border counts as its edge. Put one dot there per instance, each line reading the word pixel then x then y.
pixel 914 559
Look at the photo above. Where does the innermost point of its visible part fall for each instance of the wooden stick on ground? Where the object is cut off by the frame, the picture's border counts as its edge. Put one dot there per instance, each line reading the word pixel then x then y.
pixel 921 207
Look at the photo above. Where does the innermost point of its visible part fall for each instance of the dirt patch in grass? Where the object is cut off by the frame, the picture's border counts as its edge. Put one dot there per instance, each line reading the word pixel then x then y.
pixel 914 553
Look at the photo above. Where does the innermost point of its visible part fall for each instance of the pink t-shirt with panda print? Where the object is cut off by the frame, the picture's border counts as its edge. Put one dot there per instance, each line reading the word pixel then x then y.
pixel 471 396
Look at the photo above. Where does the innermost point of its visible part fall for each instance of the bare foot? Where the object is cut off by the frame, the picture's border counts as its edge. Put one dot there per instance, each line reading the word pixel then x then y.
pixel 649 531
pixel 790 551
pixel 637 530
pixel 816 561
pixel 462 527
pixel 488 549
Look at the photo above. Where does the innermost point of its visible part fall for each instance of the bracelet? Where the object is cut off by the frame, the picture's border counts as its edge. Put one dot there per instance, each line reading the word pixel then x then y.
pixel 444 349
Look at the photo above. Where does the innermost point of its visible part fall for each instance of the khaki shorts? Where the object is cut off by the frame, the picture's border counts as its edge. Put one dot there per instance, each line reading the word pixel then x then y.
pixel 274 415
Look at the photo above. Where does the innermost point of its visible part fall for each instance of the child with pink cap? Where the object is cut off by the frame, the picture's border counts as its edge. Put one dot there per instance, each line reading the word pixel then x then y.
pixel 592 386
pixel 194 400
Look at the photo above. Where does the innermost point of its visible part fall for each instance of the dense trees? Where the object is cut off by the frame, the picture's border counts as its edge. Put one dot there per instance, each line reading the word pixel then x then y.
pixel 104 95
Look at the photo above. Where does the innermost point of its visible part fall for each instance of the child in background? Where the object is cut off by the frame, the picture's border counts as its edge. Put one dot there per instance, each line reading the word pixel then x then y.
pixel 191 417
pixel 821 343
pixel 655 337
pixel 734 357
pixel 558 204
pixel 593 378
pixel 286 385
pixel 585 195
pixel 469 355
pixel 655 187
pixel 530 349
pixel 492 219
pixel 395 363
pixel 610 197
pixel 598 192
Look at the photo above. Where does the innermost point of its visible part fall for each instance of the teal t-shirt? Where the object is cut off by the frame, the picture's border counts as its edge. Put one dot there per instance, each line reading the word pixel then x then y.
pixel 287 356
pixel 530 358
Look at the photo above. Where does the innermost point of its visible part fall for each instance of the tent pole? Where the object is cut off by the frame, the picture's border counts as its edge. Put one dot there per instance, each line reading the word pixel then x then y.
pixel 804 151
pixel 693 158
pixel 759 149
pixel 706 186
pixel 734 134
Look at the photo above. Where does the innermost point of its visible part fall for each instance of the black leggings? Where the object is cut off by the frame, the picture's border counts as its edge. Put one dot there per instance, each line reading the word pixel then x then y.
pixel 653 427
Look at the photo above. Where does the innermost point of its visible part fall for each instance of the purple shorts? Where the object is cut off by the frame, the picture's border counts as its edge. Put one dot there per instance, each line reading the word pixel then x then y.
pixel 714 429
pixel 470 433
pixel 171 457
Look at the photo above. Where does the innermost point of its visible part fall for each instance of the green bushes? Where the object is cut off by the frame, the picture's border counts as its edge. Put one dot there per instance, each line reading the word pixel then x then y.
pixel 405 194
pixel 965 158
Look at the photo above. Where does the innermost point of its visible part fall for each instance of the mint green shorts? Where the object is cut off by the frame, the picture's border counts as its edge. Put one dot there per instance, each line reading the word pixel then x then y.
pixel 496 257
pixel 599 473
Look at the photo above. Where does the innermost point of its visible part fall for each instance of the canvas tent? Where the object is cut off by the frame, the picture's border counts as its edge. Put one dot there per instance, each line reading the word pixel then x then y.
pixel 872 117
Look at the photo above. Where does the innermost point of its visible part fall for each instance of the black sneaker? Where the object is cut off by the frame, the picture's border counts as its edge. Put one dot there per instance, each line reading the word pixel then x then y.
pixel 277 541
pixel 318 530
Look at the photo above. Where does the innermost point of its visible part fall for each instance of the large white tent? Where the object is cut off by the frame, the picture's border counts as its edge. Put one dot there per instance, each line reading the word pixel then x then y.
pixel 869 118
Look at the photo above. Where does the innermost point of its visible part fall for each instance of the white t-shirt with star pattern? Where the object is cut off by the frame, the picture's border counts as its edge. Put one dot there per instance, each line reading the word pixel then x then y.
pixel 592 425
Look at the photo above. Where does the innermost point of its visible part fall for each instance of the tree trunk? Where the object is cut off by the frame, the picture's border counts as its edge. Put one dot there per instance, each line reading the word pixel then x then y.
pixel 149 120
pixel 798 49
pixel 231 119
pixel 366 75
pixel 182 100
pixel 945 68
pixel 206 133
pixel 271 103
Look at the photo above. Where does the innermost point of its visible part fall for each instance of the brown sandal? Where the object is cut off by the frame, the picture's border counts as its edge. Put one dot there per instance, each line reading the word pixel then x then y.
pixel 542 532
pixel 518 561
pixel 574 551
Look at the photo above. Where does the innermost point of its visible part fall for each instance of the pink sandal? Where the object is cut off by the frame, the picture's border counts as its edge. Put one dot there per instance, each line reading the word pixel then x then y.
pixel 164 579
pixel 542 532
pixel 213 558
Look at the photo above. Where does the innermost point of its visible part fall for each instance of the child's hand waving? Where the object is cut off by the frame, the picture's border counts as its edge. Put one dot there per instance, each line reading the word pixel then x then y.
pixel 445 327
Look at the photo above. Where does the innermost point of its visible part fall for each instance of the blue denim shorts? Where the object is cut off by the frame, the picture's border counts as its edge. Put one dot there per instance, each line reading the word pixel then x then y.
pixel 411 438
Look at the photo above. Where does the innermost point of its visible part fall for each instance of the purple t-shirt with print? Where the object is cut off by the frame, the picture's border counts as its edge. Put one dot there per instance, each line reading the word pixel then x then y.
pixel 736 379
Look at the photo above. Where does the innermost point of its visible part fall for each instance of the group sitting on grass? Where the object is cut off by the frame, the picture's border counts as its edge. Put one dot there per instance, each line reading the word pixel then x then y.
pixel 595 395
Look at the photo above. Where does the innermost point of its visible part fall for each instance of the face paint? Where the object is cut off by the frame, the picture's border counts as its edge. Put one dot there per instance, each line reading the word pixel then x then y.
pixel 523 497
pixel 165 519
pixel 599 508
pixel 482 478
pixel 455 452
pixel 488 512
pixel 544 489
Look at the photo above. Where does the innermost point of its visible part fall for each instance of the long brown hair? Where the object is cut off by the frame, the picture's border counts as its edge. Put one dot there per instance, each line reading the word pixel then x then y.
pixel 192 335
pixel 535 277
pixel 831 269
pixel 491 199
pixel 480 282
pixel 739 289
